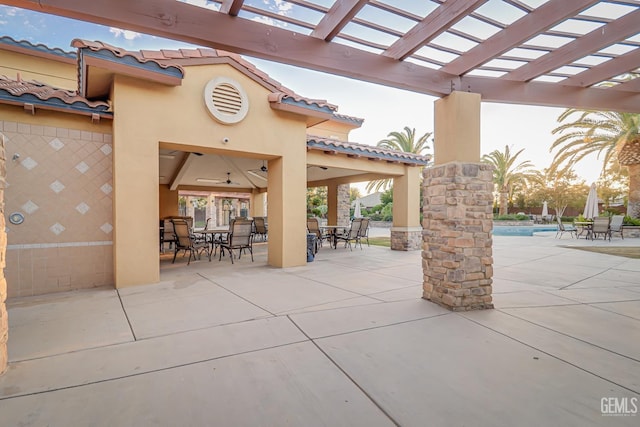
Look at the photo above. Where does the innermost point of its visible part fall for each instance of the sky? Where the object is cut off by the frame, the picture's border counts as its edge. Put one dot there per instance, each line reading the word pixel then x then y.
pixel 384 109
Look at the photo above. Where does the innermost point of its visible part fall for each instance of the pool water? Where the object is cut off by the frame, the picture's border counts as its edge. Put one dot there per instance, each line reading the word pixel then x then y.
pixel 509 230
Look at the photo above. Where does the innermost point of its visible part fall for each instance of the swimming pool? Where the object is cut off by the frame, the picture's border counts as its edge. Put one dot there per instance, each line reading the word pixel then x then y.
pixel 514 230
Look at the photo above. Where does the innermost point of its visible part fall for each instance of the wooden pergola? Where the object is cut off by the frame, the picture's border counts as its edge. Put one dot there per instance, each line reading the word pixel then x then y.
pixel 566 53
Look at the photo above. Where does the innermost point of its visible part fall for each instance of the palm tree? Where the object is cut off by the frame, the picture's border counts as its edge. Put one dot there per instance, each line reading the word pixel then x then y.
pixel 611 134
pixel 401 141
pixel 507 174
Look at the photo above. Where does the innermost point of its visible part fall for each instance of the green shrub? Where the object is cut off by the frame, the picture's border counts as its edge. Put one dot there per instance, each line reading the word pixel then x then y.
pixel 511 217
pixel 631 221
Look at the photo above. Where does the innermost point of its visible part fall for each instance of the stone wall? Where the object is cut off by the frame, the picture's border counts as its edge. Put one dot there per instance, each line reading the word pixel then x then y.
pixel 4 320
pixel 344 205
pixel 457 253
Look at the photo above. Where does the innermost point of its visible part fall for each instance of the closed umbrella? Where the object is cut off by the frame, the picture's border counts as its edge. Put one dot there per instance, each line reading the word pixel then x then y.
pixel 545 211
pixel 591 207
pixel 357 212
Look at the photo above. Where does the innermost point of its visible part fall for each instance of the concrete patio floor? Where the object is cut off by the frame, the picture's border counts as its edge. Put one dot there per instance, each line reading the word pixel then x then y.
pixel 344 341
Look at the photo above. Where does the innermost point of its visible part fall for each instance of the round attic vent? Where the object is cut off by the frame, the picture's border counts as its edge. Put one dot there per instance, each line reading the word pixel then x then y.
pixel 226 100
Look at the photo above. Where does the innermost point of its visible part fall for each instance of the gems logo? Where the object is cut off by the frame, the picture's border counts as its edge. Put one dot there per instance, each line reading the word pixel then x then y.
pixel 619 406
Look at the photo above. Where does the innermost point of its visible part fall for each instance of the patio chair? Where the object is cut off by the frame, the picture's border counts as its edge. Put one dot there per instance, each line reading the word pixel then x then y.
pixel 616 225
pixel 185 241
pixel 167 236
pixel 601 226
pixel 240 238
pixel 260 224
pixel 364 231
pixel 351 234
pixel 565 229
pixel 314 228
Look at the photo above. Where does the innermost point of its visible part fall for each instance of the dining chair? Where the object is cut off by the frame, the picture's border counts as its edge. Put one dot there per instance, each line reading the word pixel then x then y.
pixel 240 238
pixel 186 241
pixel 351 234
pixel 601 226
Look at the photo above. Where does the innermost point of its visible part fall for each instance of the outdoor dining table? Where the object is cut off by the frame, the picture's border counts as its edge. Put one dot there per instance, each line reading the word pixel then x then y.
pixel 210 233
pixel 332 232
pixel 585 226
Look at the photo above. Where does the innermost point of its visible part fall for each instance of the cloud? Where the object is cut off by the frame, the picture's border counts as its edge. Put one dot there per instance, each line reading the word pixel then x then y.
pixel 11 11
pixel 264 20
pixel 126 34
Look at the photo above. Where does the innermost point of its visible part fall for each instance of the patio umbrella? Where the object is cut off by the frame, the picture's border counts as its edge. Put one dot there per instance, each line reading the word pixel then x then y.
pixel 545 210
pixel 591 207
pixel 356 212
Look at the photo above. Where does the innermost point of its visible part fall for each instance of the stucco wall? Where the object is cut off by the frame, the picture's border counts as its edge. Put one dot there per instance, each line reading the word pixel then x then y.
pixel 59 176
pixel 149 116
pixel 58 74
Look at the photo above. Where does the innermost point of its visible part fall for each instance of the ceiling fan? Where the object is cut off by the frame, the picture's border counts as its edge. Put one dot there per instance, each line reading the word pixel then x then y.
pixel 260 172
pixel 227 181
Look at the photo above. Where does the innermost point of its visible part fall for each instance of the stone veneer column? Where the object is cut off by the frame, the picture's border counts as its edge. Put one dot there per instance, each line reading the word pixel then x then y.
pixel 4 319
pixel 344 205
pixel 406 239
pixel 457 254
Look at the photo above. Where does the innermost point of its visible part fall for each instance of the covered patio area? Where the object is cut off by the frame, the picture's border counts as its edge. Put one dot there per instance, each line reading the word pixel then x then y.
pixel 344 340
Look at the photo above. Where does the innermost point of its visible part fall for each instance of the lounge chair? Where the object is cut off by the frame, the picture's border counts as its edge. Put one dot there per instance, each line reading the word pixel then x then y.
pixel 601 226
pixel 240 238
pixel 185 241
pixel 616 225
pixel 573 232
pixel 351 235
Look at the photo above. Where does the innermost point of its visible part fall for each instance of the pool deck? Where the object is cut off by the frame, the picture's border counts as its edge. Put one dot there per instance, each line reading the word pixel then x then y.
pixel 344 341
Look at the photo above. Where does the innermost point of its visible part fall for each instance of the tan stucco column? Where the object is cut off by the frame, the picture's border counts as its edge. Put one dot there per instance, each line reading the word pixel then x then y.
pixel 287 210
pixel 457 250
pixel 332 203
pixel 406 233
pixel 135 209
pixel 258 204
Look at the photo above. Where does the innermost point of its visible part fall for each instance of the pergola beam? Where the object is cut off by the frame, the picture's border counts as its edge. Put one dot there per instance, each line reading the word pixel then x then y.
pixel 231 7
pixel 530 25
pixel 597 39
pixel 336 18
pixel 612 68
pixel 444 17
pixel 552 95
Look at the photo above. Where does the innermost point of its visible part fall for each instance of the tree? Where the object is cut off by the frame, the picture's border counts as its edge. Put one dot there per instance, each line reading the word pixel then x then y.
pixel 354 193
pixel 317 201
pixel 559 189
pixel 507 174
pixel 613 135
pixel 612 185
pixel 400 141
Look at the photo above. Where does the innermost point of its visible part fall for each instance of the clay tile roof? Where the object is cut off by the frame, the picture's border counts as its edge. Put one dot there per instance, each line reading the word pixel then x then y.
pixel 97 46
pixel 37 47
pixel 191 53
pixel 34 92
pixel 367 151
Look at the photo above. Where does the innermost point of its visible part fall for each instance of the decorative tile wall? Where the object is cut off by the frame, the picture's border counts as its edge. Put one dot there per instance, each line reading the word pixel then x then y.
pixel 61 181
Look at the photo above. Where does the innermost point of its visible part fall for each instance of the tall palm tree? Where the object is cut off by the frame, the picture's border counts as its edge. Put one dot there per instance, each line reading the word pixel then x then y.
pixel 615 136
pixel 507 174
pixel 401 141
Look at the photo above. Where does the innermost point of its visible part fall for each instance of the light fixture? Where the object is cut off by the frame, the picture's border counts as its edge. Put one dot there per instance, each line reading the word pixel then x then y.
pixel 257 175
pixel 209 180
pixel 167 156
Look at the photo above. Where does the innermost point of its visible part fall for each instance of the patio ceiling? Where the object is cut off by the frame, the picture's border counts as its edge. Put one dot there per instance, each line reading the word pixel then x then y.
pixel 568 53
pixel 183 170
